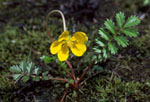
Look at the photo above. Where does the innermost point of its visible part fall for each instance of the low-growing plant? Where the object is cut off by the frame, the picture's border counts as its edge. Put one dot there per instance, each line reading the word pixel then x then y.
pixel 112 37
pixel 26 70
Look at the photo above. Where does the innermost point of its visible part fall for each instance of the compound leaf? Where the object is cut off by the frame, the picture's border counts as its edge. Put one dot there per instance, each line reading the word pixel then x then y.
pixel 132 21
pixel 120 18
pixel 36 71
pixel 122 41
pixel 97 50
pixel 16 76
pixel 15 69
pixel 104 34
pixel 110 26
pixel 25 79
pixel 100 43
pixel 130 32
pixel 30 67
pixel 23 66
pixel 105 54
pixel 112 48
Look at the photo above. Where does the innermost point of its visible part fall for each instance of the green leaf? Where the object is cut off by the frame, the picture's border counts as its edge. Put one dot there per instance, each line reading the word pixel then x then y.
pixel 45 78
pixel 71 81
pixel 25 79
pixel 23 66
pixel 15 69
pixel 74 94
pixel 47 59
pixel 112 48
pixel 36 71
pixel 104 51
pixel 97 50
pixel 132 21
pixel 105 35
pixel 97 68
pixel 130 32
pixel 100 57
pixel 146 2
pixel 36 78
pixel 63 64
pixel 30 67
pixel 100 43
pixel 45 73
pixel 110 26
pixel 122 41
pixel 16 76
pixel 120 18
pixel 67 85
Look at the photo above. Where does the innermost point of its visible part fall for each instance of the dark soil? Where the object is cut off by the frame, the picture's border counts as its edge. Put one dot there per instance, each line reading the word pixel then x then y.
pixel 130 65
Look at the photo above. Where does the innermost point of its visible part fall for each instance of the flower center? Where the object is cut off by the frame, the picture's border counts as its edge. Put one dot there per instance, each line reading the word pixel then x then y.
pixel 69 43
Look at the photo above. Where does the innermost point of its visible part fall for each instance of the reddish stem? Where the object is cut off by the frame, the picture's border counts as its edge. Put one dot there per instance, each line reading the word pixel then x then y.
pixel 84 72
pixel 62 99
pixel 48 30
pixel 61 79
pixel 72 71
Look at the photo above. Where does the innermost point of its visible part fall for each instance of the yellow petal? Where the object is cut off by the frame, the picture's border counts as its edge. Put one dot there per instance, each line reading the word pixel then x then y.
pixel 78 49
pixel 63 53
pixel 80 37
pixel 64 36
pixel 55 47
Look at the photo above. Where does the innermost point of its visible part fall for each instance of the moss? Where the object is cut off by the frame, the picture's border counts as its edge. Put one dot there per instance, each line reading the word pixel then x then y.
pixel 16 44
pixel 101 89
pixel 129 6
pixel 5 83
pixel 143 44
pixel 118 90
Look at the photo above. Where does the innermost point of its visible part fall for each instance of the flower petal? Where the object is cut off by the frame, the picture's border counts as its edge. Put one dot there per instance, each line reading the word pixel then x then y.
pixel 64 36
pixel 55 47
pixel 63 53
pixel 80 37
pixel 78 49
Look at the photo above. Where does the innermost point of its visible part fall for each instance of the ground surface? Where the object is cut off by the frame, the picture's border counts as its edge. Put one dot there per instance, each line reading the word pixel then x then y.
pixel 124 77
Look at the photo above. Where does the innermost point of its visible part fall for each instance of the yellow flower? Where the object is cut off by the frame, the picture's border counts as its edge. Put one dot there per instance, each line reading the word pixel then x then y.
pixel 76 43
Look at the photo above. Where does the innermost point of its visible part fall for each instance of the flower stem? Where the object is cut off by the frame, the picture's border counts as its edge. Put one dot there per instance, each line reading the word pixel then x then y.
pixel 84 72
pixel 63 18
pixel 72 71
pixel 60 79
pixel 62 99
pixel 64 26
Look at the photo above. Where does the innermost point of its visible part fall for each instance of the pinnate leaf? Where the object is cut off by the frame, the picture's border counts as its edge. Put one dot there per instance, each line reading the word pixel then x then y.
pixel 25 78
pixel 110 26
pixel 16 76
pixel 122 41
pixel 15 69
pixel 130 32
pixel 120 18
pixel 112 48
pixel 105 35
pixel 23 66
pixel 132 21
pixel 97 50
pixel 100 42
